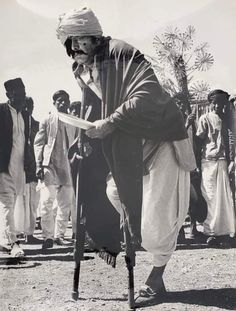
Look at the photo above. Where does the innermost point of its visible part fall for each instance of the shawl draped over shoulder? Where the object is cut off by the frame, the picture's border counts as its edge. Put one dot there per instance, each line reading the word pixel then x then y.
pixel 134 101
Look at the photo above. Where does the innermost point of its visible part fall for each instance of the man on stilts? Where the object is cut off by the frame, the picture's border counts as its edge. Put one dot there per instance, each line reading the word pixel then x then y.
pixel 143 138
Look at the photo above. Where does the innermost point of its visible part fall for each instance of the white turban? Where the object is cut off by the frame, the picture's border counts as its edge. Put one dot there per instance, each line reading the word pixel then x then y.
pixel 78 23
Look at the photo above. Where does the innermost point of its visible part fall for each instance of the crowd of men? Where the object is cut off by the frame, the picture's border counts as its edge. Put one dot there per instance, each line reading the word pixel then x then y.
pixel 35 170
pixel 139 154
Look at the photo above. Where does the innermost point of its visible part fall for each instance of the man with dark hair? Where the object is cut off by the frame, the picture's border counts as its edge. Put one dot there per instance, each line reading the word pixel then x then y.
pixel 141 130
pixel 217 154
pixel 53 169
pixel 63 99
pixel 75 108
pixel 197 205
pixel 15 161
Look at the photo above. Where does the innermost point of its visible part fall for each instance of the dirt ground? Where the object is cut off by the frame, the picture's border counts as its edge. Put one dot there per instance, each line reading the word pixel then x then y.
pixel 197 278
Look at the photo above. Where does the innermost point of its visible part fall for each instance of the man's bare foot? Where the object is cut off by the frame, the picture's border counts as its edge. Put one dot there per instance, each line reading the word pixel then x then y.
pixel 155 284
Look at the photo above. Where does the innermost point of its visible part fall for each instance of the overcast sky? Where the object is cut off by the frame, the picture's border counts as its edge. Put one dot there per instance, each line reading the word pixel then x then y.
pixel 31 50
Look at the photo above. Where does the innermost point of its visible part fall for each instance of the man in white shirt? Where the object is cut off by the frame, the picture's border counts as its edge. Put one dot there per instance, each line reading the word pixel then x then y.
pixel 53 168
pixel 14 161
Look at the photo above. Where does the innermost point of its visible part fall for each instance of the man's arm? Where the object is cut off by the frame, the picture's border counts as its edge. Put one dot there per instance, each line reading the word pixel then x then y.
pixel 202 129
pixel 39 143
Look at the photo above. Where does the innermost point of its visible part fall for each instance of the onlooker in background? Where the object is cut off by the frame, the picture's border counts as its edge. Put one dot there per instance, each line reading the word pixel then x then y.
pixel 197 204
pixel 231 111
pixel 232 100
pixel 74 108
pixel 32 180
pixel 51 146
pixel 216 165
pixel 15 161
pixel 27 204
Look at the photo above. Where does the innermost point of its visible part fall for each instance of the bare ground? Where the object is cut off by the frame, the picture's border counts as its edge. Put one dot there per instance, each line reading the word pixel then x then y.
pixel 197 278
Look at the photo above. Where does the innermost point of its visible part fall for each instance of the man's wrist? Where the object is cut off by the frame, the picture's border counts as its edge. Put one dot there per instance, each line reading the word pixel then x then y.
pixel 112 120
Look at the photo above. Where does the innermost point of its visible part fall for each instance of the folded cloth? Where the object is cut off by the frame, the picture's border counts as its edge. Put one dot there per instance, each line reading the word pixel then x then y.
pixel 184 154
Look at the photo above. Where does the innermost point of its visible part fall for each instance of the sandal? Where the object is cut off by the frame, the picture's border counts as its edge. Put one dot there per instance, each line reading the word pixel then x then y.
pixel 147 292
pixel 148 297
pixel 16 251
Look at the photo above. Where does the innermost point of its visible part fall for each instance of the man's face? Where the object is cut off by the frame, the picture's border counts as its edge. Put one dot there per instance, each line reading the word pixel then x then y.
pixel 74 112
pixel 84 49
pixel 219 102
pixel 181 105
pixel 17 98
pixel 62 103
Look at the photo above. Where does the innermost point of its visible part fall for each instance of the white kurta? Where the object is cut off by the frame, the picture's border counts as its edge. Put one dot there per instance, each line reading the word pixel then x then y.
pixel 57 185
pixel 25 212
pixel 215 180
pixel 12 183
pixel 16 166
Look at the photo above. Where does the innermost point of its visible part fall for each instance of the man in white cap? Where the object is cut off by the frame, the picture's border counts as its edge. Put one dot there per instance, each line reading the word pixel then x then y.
pixel 141 130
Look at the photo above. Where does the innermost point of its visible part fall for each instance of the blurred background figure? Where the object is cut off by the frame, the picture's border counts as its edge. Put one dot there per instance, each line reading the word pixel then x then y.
pixel 27 204
pixel 218 155
pixel 53 169
pixel 74 108
pixel 197 205
pixel 15 161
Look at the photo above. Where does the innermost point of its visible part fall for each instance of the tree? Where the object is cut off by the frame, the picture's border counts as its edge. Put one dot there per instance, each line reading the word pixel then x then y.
pixel 177 60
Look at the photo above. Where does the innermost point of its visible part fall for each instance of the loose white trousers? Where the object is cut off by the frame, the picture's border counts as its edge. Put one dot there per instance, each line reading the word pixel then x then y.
pixel 217 193
pixel 166 191
pixel 54 217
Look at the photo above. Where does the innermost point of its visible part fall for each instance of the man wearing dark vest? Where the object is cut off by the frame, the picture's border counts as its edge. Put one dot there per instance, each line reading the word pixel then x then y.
pixel 15 161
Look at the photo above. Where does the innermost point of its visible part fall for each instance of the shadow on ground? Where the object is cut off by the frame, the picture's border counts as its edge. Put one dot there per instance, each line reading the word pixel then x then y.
pixel 109 299
pixel 224 298
pixel 13 264
pixel 35 255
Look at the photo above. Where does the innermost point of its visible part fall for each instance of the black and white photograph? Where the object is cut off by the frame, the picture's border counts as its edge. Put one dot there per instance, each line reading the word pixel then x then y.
pixel 117 155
